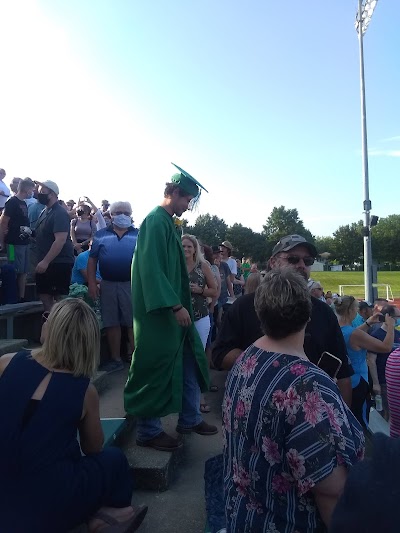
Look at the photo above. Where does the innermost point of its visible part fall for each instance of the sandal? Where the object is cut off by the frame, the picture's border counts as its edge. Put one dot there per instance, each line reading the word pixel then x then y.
pixel 129 526
pixel 204 408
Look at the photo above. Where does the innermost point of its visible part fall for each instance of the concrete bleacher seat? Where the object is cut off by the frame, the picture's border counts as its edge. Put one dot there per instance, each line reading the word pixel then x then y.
pixel 12 345
pixel 8 312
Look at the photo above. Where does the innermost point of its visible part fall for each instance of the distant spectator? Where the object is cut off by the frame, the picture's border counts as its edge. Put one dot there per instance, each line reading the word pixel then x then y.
pixel 357 343
pixel 377 361
pixel 226 286
pixel 238 280
pixel 379 303
pixel 226 256
pixel 98 215
pixel 365 310
pixel 246 265
pixel 83 229
pixel 112 250
pixel 253 268
pixel 4 190
pixel 71 208
pixel 54 247
pixel 253 281
pixel 316 290
pixel 29 200
pixel 105 206
pixel 14 184
pixel 328 297
pixel 16 232
pixel 79 271
pixel 202 286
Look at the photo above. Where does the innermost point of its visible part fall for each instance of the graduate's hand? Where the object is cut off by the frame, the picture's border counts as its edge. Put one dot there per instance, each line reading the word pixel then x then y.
pixel 183 318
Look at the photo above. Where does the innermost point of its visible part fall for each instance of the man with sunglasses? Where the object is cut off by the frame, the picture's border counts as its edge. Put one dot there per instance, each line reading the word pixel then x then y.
pixel 241 326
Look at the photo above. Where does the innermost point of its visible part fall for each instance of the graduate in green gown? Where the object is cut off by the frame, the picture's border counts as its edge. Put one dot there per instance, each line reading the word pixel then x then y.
pixel 164 331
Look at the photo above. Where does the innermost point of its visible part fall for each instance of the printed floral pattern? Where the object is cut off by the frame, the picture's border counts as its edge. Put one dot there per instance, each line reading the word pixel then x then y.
pixel 285 427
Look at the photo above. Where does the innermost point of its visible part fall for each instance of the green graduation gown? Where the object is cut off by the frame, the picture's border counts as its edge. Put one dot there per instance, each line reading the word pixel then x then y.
pixel 160 281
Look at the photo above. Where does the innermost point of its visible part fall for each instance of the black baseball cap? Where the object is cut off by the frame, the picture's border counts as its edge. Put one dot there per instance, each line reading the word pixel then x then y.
pixel 291 241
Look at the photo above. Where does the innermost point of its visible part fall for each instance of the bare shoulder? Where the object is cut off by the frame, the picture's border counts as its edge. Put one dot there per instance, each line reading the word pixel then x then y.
pixel 91 400
pixel 91 396
pixel 5 360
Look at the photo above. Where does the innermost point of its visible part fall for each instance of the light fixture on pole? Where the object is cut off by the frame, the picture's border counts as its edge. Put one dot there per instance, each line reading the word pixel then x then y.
pixel 363 18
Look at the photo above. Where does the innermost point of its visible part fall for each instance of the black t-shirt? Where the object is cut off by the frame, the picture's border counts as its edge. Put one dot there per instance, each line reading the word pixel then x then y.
pixel 241 327
pixel 51 221
pixel 17 210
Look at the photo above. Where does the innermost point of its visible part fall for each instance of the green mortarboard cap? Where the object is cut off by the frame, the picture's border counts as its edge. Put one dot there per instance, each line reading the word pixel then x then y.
pixel 187 182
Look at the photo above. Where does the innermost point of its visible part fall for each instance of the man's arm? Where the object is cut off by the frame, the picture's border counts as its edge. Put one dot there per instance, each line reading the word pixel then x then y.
pixel 91 277
pixel 344 385
pixel 59 241
pixel 371 360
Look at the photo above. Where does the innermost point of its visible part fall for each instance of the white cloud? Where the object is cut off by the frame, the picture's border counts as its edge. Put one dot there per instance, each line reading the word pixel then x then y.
pixel 384 153
pixel 391 139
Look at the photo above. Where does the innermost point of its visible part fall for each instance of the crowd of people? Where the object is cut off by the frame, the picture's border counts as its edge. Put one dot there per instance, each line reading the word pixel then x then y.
pixel 303 365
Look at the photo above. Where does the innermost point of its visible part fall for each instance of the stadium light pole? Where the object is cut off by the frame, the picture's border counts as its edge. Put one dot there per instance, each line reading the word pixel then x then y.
pixel 364 15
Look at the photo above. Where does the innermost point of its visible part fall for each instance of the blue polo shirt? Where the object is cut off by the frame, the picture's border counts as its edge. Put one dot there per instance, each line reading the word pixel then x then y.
pixel 114 253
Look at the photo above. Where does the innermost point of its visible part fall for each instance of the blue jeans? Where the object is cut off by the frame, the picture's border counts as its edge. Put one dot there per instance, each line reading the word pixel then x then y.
pixel 148 428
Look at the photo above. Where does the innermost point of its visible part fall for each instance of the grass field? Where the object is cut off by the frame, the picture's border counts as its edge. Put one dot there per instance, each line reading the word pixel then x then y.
pixel 332 280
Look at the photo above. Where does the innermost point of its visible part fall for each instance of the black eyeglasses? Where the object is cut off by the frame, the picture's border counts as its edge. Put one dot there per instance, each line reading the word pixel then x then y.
pixel 295 259
pixel 122 213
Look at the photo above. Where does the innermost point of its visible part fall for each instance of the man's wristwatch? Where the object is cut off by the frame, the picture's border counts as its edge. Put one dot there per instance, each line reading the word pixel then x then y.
pixel 176 309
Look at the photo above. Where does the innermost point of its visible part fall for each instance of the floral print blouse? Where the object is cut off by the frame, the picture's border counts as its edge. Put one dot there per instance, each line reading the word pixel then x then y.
pixel 285 428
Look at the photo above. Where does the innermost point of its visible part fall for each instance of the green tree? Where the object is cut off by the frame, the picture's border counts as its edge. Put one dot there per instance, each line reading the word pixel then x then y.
pixel 261 249
pixel 209 229
pixel 241 239
pixel 326 244
pixel 283 222
pixel 385 238
pixel 248 243
pixel 349 243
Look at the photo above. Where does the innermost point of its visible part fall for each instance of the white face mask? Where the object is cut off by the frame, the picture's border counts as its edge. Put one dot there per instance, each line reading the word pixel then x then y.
pixel 122 221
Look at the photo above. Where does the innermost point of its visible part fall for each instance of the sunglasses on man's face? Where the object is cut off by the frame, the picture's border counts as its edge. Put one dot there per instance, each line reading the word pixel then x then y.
pixel 295 260
pixel 122 213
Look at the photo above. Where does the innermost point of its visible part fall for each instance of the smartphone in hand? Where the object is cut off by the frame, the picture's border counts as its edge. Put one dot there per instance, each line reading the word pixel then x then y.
pixel 330 364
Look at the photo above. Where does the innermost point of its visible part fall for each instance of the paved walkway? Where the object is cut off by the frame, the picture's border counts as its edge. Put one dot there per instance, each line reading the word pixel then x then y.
pixel 181 508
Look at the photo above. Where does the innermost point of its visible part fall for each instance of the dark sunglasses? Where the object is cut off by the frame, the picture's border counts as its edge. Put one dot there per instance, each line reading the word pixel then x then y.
pixel 295 260
pixel 122 213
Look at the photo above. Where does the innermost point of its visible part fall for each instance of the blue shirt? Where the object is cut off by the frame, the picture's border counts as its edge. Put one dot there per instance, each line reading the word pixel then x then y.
pixel 358 358
pixel 358 321
pixel 114 253
pixel 34 211
pixel 81 264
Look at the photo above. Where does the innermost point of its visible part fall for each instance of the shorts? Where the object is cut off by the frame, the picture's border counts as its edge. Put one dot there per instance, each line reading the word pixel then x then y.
pixel 116 303
pixel 56 279
pixel 18 255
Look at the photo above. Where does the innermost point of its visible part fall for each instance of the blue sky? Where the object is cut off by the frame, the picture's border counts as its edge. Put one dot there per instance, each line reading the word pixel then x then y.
pixel 258 100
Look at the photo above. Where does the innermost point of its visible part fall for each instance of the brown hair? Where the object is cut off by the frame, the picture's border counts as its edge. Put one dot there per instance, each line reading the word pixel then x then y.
pixel 283 303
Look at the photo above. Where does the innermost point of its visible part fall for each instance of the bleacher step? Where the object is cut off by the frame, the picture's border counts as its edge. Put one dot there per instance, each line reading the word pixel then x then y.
pixel 12 345
pixel 101 381
pixel 152 469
